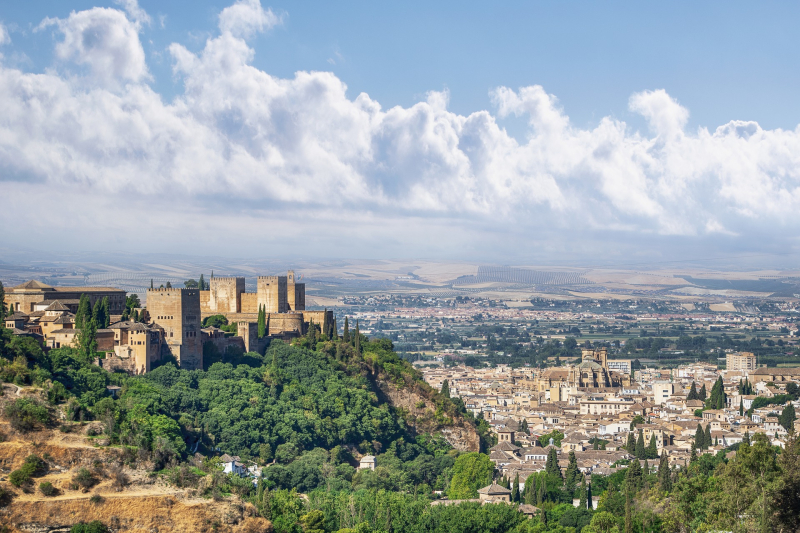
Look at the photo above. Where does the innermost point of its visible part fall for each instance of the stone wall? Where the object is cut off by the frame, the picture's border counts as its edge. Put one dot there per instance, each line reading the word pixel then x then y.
pixel 249 303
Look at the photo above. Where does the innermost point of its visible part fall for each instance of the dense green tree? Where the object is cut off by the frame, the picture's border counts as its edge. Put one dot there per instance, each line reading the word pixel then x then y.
pixel 445 389
pixel 169 285
pixel 741 406
pixel 523 427
pixel 346 333
pixel 471 471
pixel 702 394
pixel 202 283
pixel 708 441
pixel 191 284
pixel 357 344
pixel 652 448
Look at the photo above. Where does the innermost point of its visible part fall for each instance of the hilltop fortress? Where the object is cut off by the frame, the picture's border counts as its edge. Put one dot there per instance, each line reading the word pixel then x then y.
pixel 174 319
pixel 283 299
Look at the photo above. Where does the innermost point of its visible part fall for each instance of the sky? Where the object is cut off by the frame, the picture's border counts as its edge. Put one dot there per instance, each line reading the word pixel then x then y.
pixel 526 131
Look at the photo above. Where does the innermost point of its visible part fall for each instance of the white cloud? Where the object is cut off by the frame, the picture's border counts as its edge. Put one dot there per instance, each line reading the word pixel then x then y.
pixel 135 12
pixel 105 41
pixel 246 17
pixel 240 146
pixel 5 38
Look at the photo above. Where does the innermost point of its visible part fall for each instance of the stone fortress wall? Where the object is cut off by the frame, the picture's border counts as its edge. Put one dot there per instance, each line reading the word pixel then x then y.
pixel 281 296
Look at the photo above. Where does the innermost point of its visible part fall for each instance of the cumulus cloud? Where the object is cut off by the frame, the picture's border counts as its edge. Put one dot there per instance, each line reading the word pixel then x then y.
pixel 104 40
pixel 247 17
pixel 239 146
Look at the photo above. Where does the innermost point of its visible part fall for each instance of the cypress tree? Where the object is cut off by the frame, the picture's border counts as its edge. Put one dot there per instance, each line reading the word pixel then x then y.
pixel 741 406
pixel 589 495
pixel 3 312
pixel 334 330
pixel 151 283
pixel 551 467
pixel 692 393
pixel 87 339
pixel 631 445
pixel 202 283
pixel 699 438
pixel 702 394
pixel 708 440
pixel 97 312
pixel 633 477
pixel 542 490
pixel 107 311
pixel 346 334
pixel 523 427
pixel 640 449
pixel 664 477
pixel 582 503
pixel 445 389
pixel 530 489
pixel 787 417
pixel 693 456
pixel 652 448
pixel 628 518
pixel 262 321
pixel 572 473
pixel 84 312
pixel 746 438
pixel 311 334
pixel 358 340
pixel 515 490
pixel 338 351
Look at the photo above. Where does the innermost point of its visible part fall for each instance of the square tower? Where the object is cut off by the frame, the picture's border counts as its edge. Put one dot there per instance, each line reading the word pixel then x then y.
pixel 177 311
pixel 295 293
pixel 225 295
pixel 272 293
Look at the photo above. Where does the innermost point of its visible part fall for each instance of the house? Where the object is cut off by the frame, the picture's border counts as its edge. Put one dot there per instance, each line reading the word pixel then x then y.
pixel 367 462
pixel 494 493
pixel 232 465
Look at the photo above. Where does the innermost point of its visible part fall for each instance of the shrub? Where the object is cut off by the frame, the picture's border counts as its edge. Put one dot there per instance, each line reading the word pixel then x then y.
pixel 84 479
pixel 47 489
pixel 33 466
pixel 95 526
pixel 96 498
pixel 25 413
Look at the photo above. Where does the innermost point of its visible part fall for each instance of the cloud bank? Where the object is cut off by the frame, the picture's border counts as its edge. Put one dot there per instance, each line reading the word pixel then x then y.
pixel 244 154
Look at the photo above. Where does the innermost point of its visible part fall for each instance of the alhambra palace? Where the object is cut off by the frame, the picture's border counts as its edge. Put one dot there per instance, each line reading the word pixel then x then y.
pixel 173 319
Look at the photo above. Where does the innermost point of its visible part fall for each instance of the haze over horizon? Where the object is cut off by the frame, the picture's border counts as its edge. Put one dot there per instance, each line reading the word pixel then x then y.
pixel 611 136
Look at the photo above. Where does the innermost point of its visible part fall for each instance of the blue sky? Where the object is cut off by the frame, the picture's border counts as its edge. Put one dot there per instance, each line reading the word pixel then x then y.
pixel 719 59
pixel 658 128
